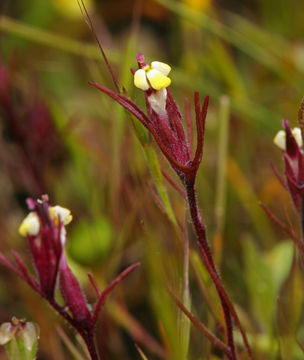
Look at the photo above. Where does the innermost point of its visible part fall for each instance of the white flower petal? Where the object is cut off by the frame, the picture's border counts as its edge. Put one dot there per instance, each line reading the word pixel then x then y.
pixel 297 134
pixel 62 213
pixel 158 100
pixel 161 67
pixel 140 80
pixel 280 139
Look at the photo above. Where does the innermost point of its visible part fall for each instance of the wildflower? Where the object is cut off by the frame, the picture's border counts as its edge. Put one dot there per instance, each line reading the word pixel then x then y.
pixel 164 121
pixel 153 76
pixel 154 80
pixel 44 228
pixel 280 138
pixel 290 141
pixel 20 339
pixel 31 224
pixel 163 118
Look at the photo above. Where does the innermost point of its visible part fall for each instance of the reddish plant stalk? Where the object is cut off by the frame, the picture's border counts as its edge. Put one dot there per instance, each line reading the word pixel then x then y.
pixel 90 343
pixel 88 336
pixel 200 230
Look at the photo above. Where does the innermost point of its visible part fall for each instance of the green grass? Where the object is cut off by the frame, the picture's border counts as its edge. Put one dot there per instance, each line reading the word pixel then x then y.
pixel 108 172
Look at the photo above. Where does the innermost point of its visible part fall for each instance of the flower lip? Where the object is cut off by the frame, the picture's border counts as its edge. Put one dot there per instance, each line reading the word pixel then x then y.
pixel 61 213
pixel 152 76
pixel 140 80
pixel 158 80
pixel 30 225
pixel 294 137
pixel 161 67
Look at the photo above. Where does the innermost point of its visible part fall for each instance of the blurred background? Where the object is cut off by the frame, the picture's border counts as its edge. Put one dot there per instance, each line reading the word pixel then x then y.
pixel 60 136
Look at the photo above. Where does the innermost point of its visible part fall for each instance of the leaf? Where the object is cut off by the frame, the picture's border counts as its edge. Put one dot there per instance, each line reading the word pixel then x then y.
pixel 260 283
pixel 279 260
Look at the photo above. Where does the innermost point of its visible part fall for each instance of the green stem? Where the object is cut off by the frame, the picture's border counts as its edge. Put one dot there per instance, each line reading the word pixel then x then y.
pixel 49 39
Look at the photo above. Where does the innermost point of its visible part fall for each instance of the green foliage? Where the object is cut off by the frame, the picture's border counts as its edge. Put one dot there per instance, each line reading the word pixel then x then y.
pixel 264 277
pixel 90 242
pixel 124 210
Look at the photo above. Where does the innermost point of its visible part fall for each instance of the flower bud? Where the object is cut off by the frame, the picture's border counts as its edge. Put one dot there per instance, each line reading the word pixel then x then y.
pixel 20 339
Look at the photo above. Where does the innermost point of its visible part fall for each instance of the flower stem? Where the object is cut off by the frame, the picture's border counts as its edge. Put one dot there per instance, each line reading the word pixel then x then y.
pixel 89 340
pixel 88 336
pixel 200 230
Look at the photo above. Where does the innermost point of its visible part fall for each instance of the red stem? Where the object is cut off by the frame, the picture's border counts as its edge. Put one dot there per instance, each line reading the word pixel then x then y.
pixel 88 336
pixel 90 343
pixel 201 234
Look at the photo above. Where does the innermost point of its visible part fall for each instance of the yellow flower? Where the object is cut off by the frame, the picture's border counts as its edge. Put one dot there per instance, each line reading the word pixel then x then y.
pixel 31 223
pixel 153 76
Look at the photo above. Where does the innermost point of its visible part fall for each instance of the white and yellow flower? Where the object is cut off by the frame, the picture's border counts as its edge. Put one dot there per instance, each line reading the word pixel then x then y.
pixel 280 138
pixel 154 77
pixel 31 223
pixel 61 213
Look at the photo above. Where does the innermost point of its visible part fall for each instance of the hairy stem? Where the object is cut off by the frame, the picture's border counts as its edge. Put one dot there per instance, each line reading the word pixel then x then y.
pixel 89 340
pixel 200 230
pixel 88 336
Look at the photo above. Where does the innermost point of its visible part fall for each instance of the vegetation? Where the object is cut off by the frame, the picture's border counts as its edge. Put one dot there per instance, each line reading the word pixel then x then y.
pixel 130 203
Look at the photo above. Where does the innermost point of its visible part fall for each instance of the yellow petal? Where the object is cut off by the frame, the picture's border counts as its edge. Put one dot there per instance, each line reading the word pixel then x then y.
pixel 62 213
pixel 157 80
pixel 30 225
pixel 140 80
pixel 161 67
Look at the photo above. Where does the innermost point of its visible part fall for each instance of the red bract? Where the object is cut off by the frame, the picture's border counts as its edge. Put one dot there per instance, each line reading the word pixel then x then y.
pixel 167 128
pixel 46 247
pixel 46 235
pixel 294 167
pixel 73 295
